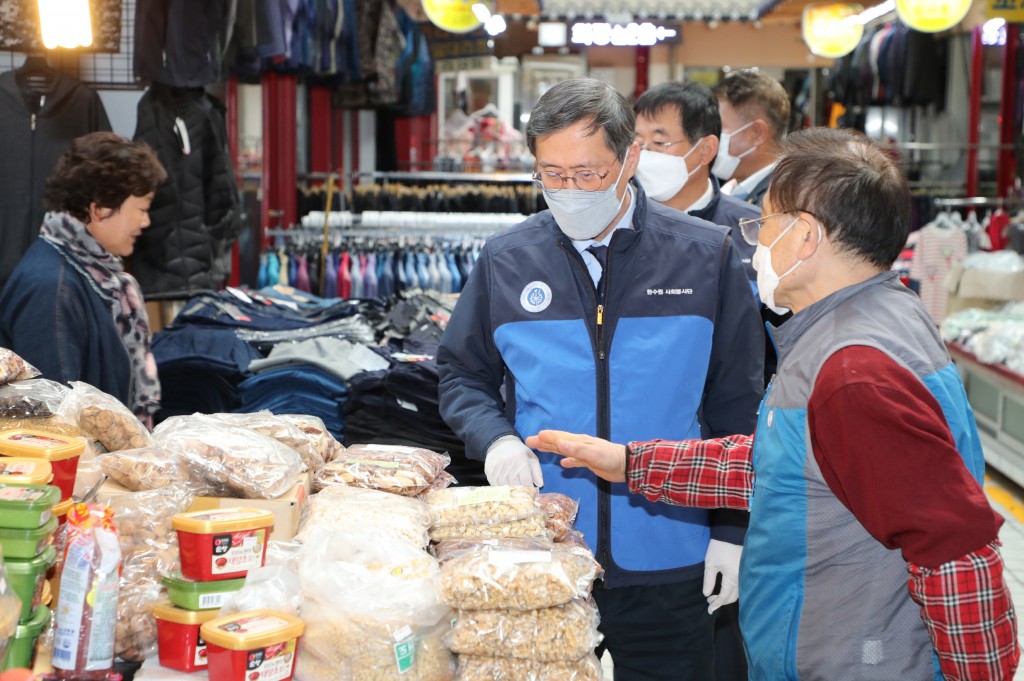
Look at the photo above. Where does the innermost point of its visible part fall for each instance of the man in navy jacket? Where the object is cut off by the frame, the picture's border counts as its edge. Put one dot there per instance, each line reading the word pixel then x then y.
pixel 612 315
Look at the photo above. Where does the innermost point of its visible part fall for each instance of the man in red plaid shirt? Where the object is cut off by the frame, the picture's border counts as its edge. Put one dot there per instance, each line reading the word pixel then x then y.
pixel 872 551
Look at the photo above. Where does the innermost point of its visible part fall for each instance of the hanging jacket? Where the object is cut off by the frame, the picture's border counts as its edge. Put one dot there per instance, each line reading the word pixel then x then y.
pixel 178 42
pixel 195 213
pixel 31 142
pixel 791 610
pixel 677 355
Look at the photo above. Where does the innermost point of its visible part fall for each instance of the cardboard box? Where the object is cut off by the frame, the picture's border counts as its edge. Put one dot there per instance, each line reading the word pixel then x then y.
pixel 287 508
pixel 985 285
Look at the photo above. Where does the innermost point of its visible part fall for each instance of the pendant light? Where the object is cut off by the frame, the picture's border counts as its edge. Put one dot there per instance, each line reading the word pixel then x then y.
pixel 831 30
pixel 932 16
pixel 65 23
pixel 457 16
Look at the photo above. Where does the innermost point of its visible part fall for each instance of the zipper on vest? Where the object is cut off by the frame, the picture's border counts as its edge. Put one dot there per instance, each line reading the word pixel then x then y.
pixel 33 122
pixel 600 332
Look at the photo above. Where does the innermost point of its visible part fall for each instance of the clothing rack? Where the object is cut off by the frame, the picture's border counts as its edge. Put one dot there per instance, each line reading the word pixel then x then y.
pixel 979 202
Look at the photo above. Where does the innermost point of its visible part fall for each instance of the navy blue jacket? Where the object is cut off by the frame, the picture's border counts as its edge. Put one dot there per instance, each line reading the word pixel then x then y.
pixel 59 322
pixel 678 354
pixel 727 211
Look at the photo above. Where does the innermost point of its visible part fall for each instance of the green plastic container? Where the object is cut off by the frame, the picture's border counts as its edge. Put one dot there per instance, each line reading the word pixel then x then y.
pixel 26 544
pixel 26 507
pixel 26 578
pixel 191 595
pixel 19 652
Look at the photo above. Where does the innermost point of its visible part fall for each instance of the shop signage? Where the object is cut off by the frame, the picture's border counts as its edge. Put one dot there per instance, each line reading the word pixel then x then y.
pixel 832 31
pixel 454 16
pixel 1010 10
pixel 932 16
pixel 445 45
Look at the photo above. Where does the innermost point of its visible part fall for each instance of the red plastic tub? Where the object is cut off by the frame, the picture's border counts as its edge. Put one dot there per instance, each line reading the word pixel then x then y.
pixel 252 646
pixel 62 451
pixel 180 645
pixel 222 544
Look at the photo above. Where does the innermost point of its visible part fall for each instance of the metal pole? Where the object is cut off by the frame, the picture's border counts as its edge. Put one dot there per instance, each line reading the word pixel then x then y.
pixel 974 112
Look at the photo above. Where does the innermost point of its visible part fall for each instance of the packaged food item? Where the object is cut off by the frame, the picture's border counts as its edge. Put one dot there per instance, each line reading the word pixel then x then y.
pixel 408 471
pixel 26 578
pixel 189 594
pixel 87 616
pixel 282 430
pixel 17 470
pixel 481 505
pixel 482 668
pixel 10 610
pixel 575 544
pixel 26 507
pixel 143 469
pixel 180 644
pixel 239 461
pixel 34 398
pixel 62 452
pixel 564 632
pixel 313 426
pixel 223 543
pixel 348 510
pixel 60 511
pixel 449 548
pixel 530 527
pixel 54 425
pixel 516 580
pixel 254 645
pixel 105 419
pixel 560 511
pixel 27 544
pixel 14 368
pixel 271 587
pixel 21 650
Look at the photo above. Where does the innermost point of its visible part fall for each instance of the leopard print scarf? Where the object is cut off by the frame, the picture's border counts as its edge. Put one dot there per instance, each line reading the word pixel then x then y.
pixel 105 273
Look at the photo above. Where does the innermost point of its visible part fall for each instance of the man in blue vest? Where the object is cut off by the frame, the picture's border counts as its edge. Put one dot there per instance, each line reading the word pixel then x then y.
pixel 613 315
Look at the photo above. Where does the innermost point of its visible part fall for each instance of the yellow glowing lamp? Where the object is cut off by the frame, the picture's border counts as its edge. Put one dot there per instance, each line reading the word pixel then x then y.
pixel 454 16
pixel 65 23
pixel 830 31
pixel 932 16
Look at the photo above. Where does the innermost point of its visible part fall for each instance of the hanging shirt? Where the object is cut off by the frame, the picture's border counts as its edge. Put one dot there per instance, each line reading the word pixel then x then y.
pixel 938 248
pixel 330 277
pixel 283 274
pixel 370 283
pixel 344 277
pixel 357 278
pixel 302 275
pixel 441 265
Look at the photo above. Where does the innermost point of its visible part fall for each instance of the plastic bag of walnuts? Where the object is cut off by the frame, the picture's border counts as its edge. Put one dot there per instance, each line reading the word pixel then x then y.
pixel 103 418
pixel 143 469
pixel 408 471
pixel 560 511
pixel 483 668
pixel 284 431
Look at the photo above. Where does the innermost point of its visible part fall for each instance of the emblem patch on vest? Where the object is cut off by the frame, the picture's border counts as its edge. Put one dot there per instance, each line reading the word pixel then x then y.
pixel 535 297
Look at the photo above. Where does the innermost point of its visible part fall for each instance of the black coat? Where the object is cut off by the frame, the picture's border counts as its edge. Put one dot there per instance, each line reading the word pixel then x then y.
pixel 30 145
pixel 195 212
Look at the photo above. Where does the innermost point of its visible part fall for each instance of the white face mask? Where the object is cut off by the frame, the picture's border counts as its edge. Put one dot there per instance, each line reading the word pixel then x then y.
pixel 767 279
pixel 725 163
pixel 583 215
pixel 664 175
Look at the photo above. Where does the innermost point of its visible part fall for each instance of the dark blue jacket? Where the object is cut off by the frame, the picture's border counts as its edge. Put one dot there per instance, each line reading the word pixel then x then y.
pixel 678 353
pixel 727 211
pixel 57 320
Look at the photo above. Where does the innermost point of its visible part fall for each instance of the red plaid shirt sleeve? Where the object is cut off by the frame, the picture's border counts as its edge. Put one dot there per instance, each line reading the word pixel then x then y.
pixel 967 608
pixel 716 473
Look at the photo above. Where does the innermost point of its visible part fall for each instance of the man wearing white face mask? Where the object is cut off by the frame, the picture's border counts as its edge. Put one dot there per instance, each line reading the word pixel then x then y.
pixel 677 126
pixel 618 316
pixel 755 117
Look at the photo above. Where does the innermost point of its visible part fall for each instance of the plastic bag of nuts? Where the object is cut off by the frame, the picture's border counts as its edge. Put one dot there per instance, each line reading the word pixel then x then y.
pixel 483 668
pixel 284 431
pixel 481 505
pixel 313 426
pixel 143 469
pixel 14 368
pixel 348 510
pixel 240 461
pixel 103 418
pixel 492 578
pixel 532 526
pixel 34 398
pixel 408 471
pixel 560 511
pixel 450 548
pixel 565 632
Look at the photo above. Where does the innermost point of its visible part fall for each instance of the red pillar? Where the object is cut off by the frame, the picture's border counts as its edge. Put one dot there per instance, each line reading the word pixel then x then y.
pixel 643 57
pixel 1007 171
pixel 279 154
pixel 974 113
pixel 320 131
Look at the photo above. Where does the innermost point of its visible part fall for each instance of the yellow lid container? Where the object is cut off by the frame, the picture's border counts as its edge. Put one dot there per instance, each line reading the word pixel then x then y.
pixel 170 613
pixel 233 519
pixel 47 593
pixel 60 510
pixel 20 470
pixel 254 629
pixel 39 445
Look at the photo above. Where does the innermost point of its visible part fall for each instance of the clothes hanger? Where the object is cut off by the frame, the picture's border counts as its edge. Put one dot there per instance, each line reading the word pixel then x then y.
pixel 35 76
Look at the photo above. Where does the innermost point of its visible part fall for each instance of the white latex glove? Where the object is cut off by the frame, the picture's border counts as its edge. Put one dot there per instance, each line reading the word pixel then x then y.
pixel 510 462
pixel 722 558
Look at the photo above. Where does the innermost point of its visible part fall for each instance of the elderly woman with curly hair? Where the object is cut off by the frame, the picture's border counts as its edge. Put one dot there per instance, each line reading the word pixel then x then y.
pixel 69 308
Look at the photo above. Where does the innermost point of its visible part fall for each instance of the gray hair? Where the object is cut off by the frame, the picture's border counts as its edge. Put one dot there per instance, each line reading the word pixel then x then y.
pixel 584 99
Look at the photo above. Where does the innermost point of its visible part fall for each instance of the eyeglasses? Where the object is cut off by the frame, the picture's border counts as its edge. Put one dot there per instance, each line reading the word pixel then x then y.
pixel 750 227
pixel 587 180
pixel 659 146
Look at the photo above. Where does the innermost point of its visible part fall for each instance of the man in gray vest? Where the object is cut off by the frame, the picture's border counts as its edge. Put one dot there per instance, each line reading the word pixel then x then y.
pixel 872 551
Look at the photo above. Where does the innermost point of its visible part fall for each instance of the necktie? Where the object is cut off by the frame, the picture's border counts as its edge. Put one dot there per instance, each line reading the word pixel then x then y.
pixel 600 254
